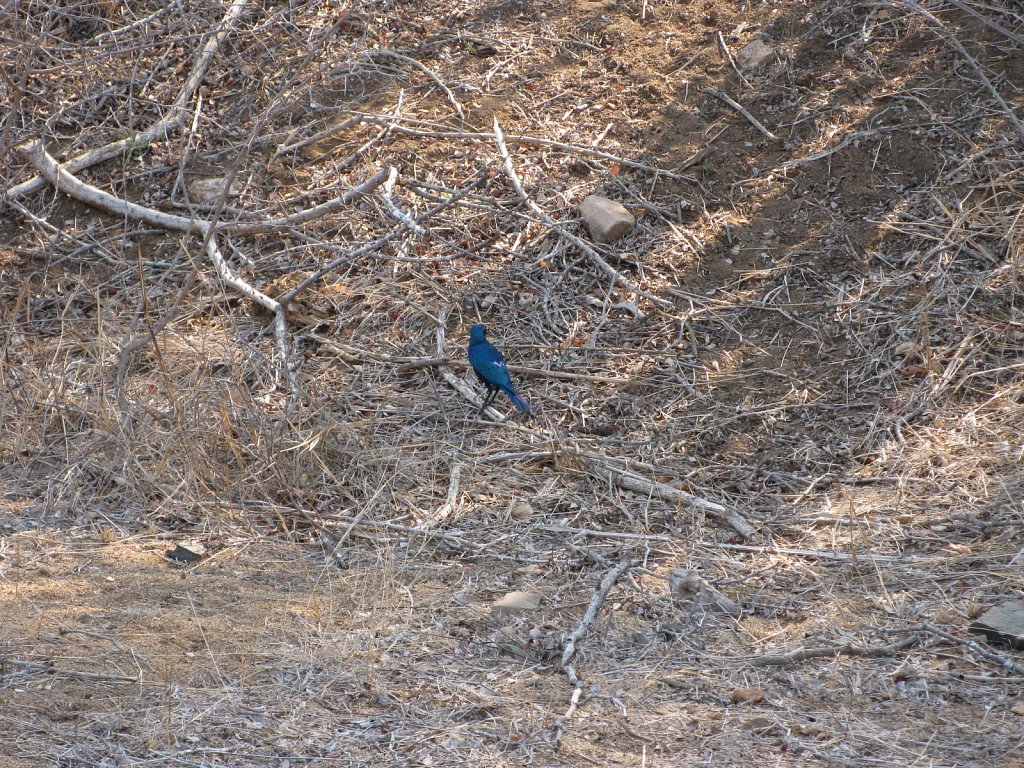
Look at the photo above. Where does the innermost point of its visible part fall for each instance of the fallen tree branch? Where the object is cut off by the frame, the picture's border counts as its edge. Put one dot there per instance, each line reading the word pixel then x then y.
pixel 750 118
pixel 69 184
pixel 398 213
pixel 64 181
pixel 988 22
pixel 516 139
pixel 1005 662
pixel 951 39
pixel 380 241
pixel 425 70
pixel 51 669
pixel 173 119
pixel 307 215
pixel 630 481
pixel 441 514
pixel 830 651
pixel 569 649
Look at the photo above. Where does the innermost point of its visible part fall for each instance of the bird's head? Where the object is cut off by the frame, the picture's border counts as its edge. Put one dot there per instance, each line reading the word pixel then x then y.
pixel 476 334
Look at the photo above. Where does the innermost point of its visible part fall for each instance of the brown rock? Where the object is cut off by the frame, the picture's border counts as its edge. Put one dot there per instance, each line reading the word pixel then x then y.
pixel 748 695
pixel 606 219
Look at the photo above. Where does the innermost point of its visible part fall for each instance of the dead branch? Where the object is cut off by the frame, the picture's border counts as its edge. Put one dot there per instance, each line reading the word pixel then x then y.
pixel 398 213
pixel 732 61
pixel 51 669
pixel 569 649
pixel 630 481
pixel 318 136
pixel 831 651
pixel 988 22
pixel 750 118
pixel 971 61
pixel 977 648
pixel 442 512
pixel 171 121
pixel 425 70
pixel 307 215
pixel 36 154
pixel 378 243
pixel 441 132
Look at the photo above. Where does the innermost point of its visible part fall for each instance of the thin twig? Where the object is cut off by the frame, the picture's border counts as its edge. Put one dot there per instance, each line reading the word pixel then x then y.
pixel 732 61
pixel 952 40
pixel 378 243
pixel 1003 661
pixel 750 118
pixel 425 70
pixel 988 22
pixel 51 669
pixel 307 215
pixel 831 651
pixel 398 213
pixel 519 139
pixel 446 509
pixel 569 649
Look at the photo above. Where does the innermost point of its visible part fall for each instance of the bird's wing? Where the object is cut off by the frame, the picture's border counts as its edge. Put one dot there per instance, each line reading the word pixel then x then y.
pixel 494 371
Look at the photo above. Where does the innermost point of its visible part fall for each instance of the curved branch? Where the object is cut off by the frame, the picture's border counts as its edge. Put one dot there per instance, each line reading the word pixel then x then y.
pixel 74 187
pixel 172 120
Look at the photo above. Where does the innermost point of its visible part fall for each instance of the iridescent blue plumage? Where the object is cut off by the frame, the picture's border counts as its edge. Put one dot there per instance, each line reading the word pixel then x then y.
pixel 490 368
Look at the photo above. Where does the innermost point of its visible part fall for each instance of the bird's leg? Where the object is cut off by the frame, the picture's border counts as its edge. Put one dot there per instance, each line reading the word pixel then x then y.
pixel 488 399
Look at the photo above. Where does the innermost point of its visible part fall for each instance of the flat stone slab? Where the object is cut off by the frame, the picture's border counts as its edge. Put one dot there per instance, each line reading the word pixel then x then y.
pixel 516 602
pixel 1003 624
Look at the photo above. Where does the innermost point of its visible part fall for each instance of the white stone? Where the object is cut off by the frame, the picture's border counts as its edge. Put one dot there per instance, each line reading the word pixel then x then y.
pixel 516 602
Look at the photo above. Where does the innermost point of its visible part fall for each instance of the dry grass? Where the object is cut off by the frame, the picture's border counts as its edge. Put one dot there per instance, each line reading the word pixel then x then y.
pixel 818 337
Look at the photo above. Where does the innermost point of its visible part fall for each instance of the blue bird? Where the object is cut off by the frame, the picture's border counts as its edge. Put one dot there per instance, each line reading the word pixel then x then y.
pixel 489 366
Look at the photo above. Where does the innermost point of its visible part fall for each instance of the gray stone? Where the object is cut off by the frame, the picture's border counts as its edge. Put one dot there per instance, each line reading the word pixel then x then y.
pixel 754 54
pixel 1003 624
pixel 606 219
pixel 208 190
pixel 187 552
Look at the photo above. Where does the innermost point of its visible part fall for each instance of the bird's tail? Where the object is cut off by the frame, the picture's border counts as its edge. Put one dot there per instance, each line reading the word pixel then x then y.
pixel 517 401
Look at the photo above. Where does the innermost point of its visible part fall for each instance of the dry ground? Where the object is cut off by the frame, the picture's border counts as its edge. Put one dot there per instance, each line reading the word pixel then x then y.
pixel 819 331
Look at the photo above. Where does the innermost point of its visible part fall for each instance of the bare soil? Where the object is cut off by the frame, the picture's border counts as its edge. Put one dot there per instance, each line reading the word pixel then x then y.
pixel 799 379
